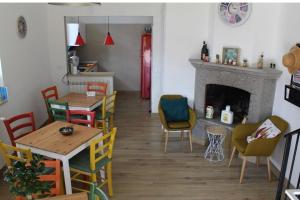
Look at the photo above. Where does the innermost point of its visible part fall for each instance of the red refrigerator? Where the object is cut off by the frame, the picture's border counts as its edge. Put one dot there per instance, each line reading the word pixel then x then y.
pixel 146 66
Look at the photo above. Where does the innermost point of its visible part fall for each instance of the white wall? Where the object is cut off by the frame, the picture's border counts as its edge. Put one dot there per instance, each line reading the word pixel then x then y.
pixel 56 39
pixel 185 29
pixel 24 62
pixel 124 58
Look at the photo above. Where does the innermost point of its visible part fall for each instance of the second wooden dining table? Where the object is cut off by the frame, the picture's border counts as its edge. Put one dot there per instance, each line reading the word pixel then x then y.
pixel 49 142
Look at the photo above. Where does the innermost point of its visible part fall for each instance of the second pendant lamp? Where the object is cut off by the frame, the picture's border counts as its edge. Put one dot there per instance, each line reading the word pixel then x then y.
pixel 79 40
pixel 108 39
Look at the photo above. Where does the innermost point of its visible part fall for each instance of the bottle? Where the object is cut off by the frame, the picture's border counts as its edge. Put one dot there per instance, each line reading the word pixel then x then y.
pixel 204 51
pixel 227 115
pixel 260 62
pixel 209 112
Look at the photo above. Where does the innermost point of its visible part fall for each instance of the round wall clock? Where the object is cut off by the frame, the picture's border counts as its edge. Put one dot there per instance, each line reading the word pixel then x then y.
pixel 234 14
pixel 22 26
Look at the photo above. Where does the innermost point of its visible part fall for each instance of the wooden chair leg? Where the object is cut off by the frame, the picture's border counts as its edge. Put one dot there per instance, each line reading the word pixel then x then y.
pixel 231 157
pixel 163 133
pixel 269 169
pixel 181 135
pixel 109 179
pixel 166 140
pixel 243 169
pixel 257 161
pixel 190 138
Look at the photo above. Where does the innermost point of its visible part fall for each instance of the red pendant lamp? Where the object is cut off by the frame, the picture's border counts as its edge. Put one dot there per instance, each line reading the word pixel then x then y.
pixel 108 39
pixel 79 40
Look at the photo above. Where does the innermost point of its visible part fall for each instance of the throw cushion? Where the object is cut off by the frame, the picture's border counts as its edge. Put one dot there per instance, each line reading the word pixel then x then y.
pixel 265 130
pixel 175 110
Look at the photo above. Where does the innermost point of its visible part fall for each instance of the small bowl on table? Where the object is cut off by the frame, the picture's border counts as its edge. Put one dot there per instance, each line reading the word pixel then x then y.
pixel 67 130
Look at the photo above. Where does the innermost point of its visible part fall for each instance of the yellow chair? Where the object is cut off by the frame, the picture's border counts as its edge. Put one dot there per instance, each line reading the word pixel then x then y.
pixel 10 154
pixel 262 147
pixel 90 161
pixel 105 118
pixel 182 127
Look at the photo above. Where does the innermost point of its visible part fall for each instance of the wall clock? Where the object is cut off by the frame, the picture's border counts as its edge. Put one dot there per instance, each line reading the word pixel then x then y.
pixel 234 14
pixel 21 26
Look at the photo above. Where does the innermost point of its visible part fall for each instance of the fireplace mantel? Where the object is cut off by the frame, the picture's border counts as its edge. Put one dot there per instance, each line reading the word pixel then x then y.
pixel 265 72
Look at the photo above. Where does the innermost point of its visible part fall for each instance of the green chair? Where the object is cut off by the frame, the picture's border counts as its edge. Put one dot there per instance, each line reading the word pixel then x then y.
pixel 262 147
pixel 58 109
pixel 179 126
pixel 96 192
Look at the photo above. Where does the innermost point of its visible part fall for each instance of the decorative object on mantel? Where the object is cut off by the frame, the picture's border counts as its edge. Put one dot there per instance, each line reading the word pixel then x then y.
pixel 227 115
pixel 230 56
pixel 21 27
pixel 272 65
pixel 234 14
pixel 218 59
pixel 209 112
pixel 291 60
pixel 204 52
pixel 260 61
pixel 245 63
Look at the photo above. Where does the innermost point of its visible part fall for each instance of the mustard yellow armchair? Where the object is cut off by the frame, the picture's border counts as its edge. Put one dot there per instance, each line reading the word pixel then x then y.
pixel 182 126
pixel 259 147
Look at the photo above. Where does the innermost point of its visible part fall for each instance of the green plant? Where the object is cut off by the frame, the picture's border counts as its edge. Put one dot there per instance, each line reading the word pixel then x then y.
pixel 23 178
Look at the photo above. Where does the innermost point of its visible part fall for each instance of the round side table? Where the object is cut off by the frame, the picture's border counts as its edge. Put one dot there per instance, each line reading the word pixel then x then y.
pixel 216 135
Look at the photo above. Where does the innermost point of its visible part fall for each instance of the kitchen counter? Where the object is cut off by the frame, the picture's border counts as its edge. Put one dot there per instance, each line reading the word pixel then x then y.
pixel 93 74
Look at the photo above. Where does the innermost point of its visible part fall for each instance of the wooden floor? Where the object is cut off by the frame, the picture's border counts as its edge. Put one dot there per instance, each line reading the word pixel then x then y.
pixel 142 171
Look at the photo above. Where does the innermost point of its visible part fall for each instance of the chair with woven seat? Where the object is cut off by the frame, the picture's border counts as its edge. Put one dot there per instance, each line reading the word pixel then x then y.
pixel 58 110
pixel 49 93
pixel 105 116
pixel 81 117
pixel 91 160
pixel 17 123
pixel 176 126
pixel 97 87
pixel 261 147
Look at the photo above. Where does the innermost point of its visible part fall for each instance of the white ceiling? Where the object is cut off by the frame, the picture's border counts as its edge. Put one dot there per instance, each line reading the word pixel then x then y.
pixel 112 20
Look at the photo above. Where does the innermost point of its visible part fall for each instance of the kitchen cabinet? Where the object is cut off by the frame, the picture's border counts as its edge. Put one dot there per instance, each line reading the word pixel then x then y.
pixel 72 32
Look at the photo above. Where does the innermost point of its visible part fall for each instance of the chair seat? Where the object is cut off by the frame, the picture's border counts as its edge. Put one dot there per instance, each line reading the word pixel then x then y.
pixel 179 125
pixel 82 162
pixel 240 144
pixel 99 115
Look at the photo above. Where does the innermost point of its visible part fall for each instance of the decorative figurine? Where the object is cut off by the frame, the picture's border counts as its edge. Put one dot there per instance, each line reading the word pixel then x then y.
pixel 234 62
pixel 218 59
pixel 204 52
pixel 245 63
pixel 260 62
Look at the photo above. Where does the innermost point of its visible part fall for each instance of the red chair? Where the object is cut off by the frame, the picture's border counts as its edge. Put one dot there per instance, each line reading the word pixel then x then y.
pixel 99 88
pixel 49 93
pixel 54 177
pixel 81 117
pixel 12 126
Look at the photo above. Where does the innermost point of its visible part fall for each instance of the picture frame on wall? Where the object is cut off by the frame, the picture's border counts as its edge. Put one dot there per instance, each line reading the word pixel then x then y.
pixel 231 56
pixel 3 95
pixel 295 81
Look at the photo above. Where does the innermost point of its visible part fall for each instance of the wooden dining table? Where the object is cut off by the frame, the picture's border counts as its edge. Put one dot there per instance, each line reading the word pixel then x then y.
pixel 49 142
pixel 77 196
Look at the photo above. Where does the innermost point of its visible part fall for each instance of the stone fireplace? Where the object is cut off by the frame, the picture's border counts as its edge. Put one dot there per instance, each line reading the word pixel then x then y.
pixel 249 90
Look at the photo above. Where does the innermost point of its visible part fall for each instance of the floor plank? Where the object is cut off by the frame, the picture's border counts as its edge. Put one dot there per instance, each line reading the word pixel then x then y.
pixel 142 171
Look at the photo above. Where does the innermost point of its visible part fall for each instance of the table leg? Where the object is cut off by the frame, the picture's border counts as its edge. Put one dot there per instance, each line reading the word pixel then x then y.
pixel 89 118
pixel 67 176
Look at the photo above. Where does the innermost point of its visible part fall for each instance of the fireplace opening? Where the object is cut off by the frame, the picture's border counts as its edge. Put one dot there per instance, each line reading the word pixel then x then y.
pixel 218 96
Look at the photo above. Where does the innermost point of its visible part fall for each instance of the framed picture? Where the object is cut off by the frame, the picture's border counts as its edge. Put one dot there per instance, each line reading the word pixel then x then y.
pixel 3 95
pixel 231 56
pixel 296 79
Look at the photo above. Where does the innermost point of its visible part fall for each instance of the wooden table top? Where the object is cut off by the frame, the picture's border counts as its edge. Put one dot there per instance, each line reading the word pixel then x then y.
pixel 77 196
pixel 80 100
pixel 50 139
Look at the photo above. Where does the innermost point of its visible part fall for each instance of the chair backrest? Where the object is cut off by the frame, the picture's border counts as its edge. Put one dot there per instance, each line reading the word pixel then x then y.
pixel 16 123
pixel 97 192
pixel 76 117
pixel 58 109
pixel 100 152
pixel 54 177
pixel 169 96
pixel 108 104
pixel 10 154
pixel 49 93
pixel 98 87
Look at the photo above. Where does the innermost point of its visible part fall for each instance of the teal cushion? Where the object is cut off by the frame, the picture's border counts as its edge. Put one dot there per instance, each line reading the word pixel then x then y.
pixel 175 110
pixel 82 162
pixel 99 115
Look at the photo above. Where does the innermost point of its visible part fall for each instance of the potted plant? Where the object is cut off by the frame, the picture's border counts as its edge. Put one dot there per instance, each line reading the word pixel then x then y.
pixel 23 178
